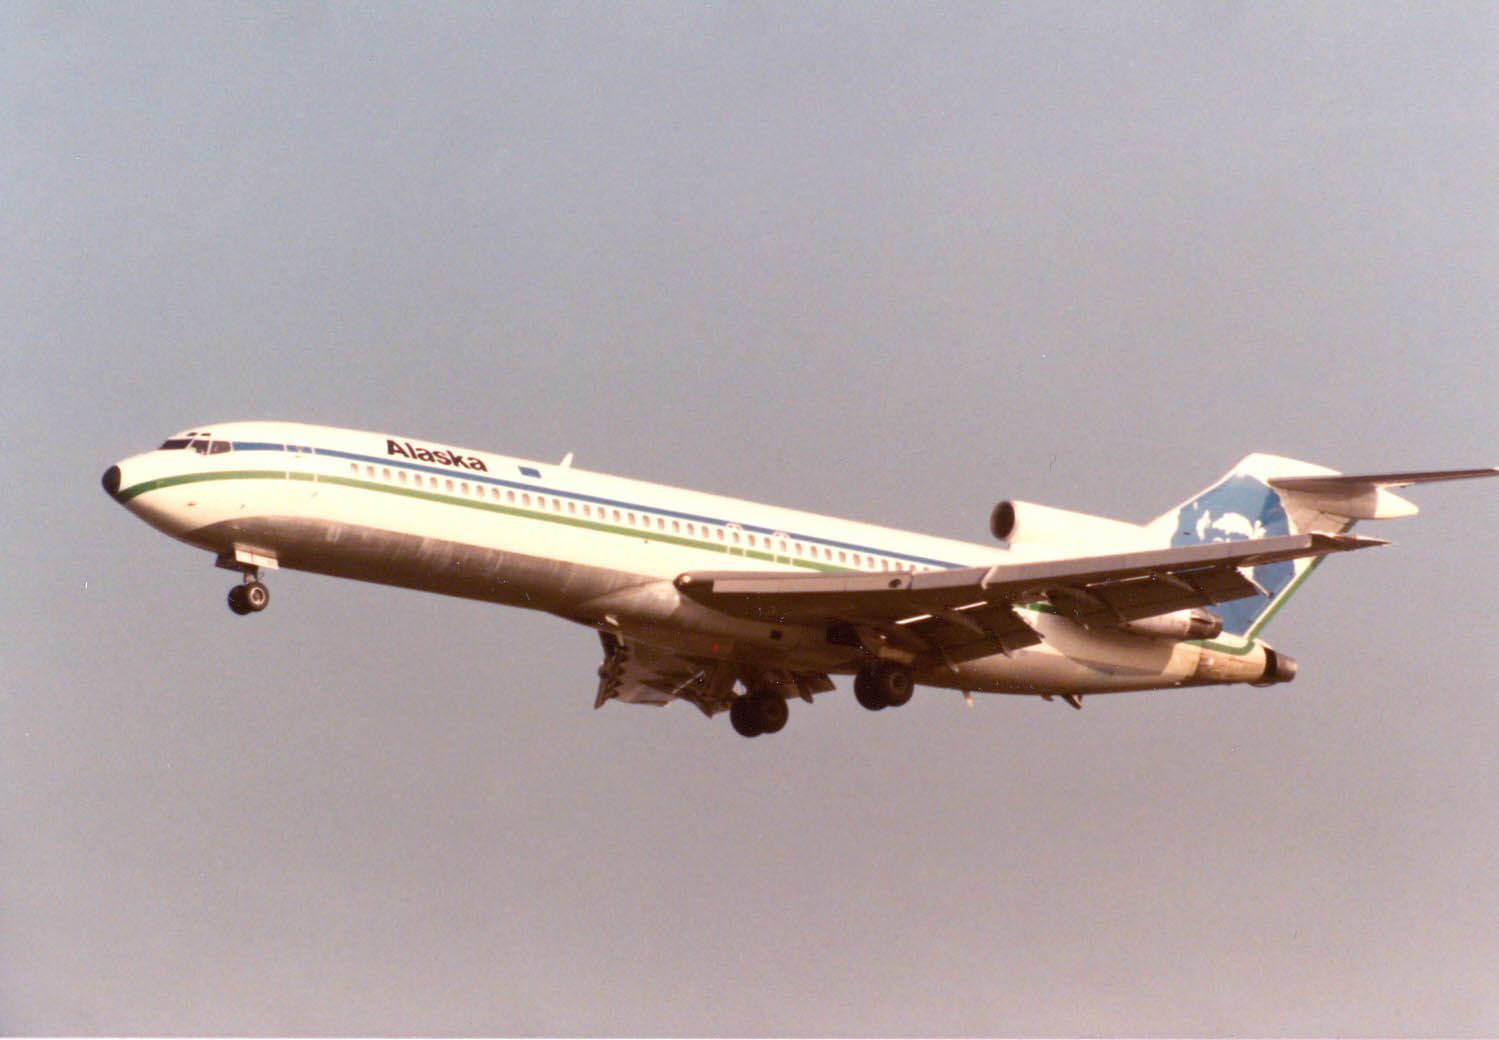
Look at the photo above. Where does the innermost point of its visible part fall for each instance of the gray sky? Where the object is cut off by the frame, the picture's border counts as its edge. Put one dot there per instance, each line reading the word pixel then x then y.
pixel 886 262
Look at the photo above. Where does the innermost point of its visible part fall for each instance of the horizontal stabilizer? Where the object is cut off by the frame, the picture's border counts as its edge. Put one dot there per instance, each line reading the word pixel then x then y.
pixel 1344 483
pixel 1365 496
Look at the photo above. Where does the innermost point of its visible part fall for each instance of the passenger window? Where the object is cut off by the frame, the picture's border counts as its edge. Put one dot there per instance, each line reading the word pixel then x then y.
pixel 572 507
pixel 718 531
pixel 525 500
pixel 676 528
pixel 736 537
pixel 402 475
pixel 557 506
pixel 354 468
pixel 369 471
pixel 783 546
pixel 385 473
pixel 660 524
pixel 841 557
pixel 798 547
pixel 509 495
pixel 632 518
pixel 616 516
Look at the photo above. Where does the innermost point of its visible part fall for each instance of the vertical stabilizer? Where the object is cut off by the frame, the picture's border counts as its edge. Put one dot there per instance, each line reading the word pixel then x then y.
pixel 1241 506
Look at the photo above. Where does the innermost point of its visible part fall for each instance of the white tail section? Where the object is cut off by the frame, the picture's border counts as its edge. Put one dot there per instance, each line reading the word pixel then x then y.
pixel 1268 495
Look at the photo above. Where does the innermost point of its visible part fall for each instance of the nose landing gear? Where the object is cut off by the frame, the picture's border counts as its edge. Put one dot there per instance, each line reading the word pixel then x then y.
pixel 250 598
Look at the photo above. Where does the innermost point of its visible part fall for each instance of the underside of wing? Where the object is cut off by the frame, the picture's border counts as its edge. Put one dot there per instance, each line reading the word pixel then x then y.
pixel 970 612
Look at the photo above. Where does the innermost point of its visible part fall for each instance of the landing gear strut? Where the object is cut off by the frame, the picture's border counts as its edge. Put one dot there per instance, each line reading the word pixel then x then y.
pixel 883 685
pixel 759 711
pixel 250 598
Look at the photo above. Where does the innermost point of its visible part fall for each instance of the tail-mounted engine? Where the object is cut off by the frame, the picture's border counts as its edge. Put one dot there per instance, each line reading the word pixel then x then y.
pixel 1026 523
pixel 1279 668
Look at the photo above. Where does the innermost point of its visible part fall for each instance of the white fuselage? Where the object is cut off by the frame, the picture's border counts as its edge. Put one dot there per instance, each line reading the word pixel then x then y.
pixel 596 549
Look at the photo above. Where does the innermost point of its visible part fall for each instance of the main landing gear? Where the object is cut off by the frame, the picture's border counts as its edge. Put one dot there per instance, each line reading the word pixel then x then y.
pixel 881 684
pixel 250 598
pixel 760 711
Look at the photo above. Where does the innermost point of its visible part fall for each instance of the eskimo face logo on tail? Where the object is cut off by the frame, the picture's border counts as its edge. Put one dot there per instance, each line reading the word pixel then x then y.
pixel 1238 509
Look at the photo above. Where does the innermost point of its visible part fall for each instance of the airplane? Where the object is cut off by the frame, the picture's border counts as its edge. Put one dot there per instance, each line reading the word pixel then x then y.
pixel 736 606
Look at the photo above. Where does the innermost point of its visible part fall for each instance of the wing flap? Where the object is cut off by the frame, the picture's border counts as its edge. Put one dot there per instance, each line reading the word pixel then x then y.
pixel 1110 603
pixel 641 673
pixel 978 630
pixel 638 673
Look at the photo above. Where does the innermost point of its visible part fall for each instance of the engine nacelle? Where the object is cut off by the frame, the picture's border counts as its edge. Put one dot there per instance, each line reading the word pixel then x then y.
pixel 1184 624
pixel 1026 523
pixel 1279 668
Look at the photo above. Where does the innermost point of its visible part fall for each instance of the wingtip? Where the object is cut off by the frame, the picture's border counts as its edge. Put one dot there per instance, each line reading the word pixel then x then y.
pixel 1351 541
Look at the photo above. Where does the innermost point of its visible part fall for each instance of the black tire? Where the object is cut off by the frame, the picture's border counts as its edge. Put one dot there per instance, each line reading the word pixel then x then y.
pixel 883 685
pixel 744 718
pixel 898 687
pixel 257 596
pixel 867 691
pixel 771 711
pixel 237 600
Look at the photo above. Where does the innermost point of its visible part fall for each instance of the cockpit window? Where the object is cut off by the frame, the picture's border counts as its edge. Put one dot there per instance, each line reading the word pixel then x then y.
pixel 201 446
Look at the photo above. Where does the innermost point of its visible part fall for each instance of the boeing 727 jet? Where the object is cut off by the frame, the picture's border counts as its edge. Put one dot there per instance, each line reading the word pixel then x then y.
pixel 740 607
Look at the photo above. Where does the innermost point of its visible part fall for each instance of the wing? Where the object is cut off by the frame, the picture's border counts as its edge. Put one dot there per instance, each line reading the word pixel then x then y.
pixel 970 612
pixel 640 673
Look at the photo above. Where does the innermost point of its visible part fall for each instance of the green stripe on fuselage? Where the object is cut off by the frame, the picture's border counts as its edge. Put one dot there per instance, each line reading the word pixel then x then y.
pixel 194 478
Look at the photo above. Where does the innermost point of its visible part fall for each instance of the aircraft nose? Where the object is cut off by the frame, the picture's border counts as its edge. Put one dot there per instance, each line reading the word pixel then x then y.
pixel 111 481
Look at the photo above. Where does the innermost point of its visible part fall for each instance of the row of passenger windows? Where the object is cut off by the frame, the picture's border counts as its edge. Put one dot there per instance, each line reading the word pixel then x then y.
pixel 726 534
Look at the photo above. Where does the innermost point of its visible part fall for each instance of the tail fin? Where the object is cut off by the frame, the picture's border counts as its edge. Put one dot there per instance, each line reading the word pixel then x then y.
pixel 1267 495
